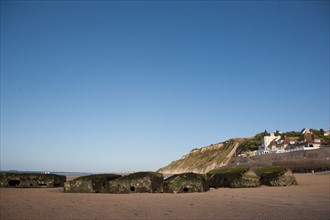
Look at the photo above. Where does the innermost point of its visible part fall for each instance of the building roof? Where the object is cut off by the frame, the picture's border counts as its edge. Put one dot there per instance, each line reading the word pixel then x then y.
pixel 310 138
pixel 266 133
pixel 305 130
pixel 306 137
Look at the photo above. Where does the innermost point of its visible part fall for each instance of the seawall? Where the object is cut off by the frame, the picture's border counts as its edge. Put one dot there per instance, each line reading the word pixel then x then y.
pixel 298 161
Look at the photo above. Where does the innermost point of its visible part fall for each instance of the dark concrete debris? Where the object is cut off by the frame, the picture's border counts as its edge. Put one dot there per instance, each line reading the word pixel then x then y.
pixel 186 183
pixel 153 182
pixel 31 180
pixel 238 177
pixel 276 176
pixel 141 182
pixel 90 184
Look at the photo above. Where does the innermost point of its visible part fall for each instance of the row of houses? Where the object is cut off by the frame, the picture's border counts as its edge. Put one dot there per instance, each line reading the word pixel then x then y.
pixel 275 143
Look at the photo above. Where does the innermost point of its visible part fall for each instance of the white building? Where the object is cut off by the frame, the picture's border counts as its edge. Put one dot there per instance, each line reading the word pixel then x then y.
pixel 266 146
pixel 327 133
pixel 272 143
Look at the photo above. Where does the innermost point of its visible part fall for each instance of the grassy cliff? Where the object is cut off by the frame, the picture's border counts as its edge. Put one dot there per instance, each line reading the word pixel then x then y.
pixel 204 159
pixel 207 158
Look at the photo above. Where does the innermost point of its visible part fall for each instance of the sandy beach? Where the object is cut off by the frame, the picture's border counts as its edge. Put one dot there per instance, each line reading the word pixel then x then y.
pixel 308 200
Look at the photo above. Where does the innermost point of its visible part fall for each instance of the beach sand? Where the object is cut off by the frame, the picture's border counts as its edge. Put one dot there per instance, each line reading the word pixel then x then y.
pixel 308 200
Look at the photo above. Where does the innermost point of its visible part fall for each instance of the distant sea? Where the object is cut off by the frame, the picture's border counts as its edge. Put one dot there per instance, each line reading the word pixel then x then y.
pixel 57 172
pixel 48 172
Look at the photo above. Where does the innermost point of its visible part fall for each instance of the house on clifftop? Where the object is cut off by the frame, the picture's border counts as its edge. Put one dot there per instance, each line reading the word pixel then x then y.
pixel 276 143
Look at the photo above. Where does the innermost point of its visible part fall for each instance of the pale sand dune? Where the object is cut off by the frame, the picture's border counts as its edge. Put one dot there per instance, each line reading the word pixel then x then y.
pixel 309 200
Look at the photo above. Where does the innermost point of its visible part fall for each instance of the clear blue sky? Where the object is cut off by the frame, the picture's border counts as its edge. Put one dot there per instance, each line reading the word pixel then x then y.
pixel 107 86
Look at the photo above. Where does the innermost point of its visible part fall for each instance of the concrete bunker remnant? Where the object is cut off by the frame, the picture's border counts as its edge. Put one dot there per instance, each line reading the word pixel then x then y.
pixel 233 177
pixel 31 180
pixel 14 183
pixel 140 182
pixel 96 183
pixel 186 183
pixel 276 176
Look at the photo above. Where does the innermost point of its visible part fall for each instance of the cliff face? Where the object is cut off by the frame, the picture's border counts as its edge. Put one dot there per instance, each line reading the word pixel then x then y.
pixel 204 159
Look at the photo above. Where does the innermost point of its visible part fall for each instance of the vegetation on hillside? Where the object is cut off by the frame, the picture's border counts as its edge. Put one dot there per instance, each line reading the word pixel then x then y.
pixel 216 155
pixel 290 134
pixel 320 133
pixel 250 144
pixel 200 159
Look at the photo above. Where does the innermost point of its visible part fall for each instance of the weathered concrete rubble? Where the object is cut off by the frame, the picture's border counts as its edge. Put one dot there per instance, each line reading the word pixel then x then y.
pixel 141 182
pixel 276 176
pixel 186 183
pixel 236 177
pixel 90 184
pixel 153 182
pixel 31 180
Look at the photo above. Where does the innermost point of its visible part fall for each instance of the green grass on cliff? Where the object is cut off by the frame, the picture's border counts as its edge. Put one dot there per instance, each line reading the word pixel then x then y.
pixel 200 160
